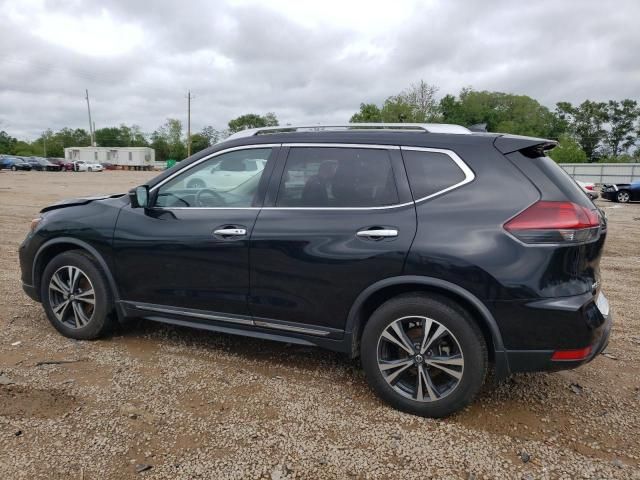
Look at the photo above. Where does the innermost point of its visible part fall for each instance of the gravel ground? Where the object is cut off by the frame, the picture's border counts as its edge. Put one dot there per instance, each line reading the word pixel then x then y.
pixel 189 404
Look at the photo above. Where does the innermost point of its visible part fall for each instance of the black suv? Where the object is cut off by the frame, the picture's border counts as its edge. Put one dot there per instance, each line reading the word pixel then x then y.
pixel 427 250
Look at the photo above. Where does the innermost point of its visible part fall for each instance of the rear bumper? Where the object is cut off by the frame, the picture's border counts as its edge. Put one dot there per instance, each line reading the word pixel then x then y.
pixel 541 360
pixel 31 291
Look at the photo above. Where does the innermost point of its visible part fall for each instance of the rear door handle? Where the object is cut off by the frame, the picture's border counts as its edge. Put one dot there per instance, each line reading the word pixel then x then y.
pixel 378 233
pixel 230 232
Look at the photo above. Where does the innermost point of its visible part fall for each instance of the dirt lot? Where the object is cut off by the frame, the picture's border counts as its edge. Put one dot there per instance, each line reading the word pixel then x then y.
pixel 193 404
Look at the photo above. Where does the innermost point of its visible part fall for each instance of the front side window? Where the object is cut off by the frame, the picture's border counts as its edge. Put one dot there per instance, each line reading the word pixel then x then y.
pixel 324 177
pixel 227 180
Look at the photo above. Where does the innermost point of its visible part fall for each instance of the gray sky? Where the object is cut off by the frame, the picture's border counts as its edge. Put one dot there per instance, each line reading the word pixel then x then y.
pixel 305 61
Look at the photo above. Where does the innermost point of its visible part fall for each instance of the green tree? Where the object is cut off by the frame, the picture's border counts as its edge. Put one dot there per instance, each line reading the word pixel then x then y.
pixel 122 136
pixel 25 149
pixel 622 134
pixel 502 112
pixel 198 142
pixel 568 151
pixel 78 137
pixel 397 110
pixel 212 135
pixel 168 142
pixel 7 143
pixel 586 123
pixel 252 120
pixel 369 113
pixel 421 97
pixel 109 137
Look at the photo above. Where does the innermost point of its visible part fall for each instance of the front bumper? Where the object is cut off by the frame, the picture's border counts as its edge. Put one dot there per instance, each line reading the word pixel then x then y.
pixel 541 360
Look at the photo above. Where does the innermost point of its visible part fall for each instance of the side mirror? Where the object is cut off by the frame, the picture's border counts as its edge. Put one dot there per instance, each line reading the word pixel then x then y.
pixel 139 197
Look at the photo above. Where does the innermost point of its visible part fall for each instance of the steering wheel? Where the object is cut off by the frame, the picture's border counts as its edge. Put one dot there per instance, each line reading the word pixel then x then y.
pixel 209 198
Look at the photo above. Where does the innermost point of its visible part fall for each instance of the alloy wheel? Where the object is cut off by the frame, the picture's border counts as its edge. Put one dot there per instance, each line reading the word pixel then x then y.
pixel 420 358
pixel 72 297
pixel 623 197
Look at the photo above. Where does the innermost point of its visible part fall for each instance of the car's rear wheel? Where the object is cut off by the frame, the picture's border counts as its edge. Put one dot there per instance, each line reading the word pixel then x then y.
pixel 76 296
pixel 14 168
pixel 424 355
pixel 623 196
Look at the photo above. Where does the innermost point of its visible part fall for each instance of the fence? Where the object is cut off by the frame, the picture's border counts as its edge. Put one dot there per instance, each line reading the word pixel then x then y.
pixel 603 172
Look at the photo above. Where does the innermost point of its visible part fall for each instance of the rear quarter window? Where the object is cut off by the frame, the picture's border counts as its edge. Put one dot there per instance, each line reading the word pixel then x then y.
pixel 430 172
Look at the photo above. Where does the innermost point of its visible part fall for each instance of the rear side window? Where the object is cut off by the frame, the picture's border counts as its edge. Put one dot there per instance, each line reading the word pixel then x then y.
pixel 430 172
pixel 337 177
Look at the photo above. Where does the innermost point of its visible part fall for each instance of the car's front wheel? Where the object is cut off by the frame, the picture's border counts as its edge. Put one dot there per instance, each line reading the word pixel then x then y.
pixel 14 168
pixel 76 296
pixel 424 355
pixel 623 196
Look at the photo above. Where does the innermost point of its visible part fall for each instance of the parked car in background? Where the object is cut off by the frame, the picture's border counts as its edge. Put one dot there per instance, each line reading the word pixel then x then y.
pixel 227 174
pixel 42 164
pixel 63 163
pixel 14 163
pixel 82 166
pixel 35 164
pixel 108 166
pixel 622 192
pixel 589 189
pixel 382 241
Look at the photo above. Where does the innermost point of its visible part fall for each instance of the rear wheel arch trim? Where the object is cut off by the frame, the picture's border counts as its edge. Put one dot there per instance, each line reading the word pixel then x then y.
pixel 81 246
pixel 354 323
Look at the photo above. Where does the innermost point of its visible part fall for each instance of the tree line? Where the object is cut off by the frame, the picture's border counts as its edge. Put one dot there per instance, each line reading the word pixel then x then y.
pixel 168 140
pixel 588 132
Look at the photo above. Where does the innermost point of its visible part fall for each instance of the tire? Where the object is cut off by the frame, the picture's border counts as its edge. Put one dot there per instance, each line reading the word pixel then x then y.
pixel 13 168
pixel 463 342
pixel 95 320
pixel 89 169
pixel 623 196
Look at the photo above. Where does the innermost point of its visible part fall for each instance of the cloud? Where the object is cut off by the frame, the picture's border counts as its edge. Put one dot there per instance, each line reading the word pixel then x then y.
pixel 306 62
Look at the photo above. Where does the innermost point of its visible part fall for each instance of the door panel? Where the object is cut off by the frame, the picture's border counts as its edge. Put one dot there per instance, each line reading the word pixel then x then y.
pixel 191 249
pixel 173 257
pixel 308 264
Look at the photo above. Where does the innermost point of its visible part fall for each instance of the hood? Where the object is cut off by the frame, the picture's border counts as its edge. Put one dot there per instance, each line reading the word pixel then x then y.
pixel 71 202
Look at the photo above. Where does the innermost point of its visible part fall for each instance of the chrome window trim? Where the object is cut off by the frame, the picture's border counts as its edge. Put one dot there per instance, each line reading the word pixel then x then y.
pixel 468 173
pixel 469 176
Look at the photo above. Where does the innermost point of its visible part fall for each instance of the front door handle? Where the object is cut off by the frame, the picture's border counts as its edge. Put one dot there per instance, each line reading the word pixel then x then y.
pixel 230 232
pixel 376 233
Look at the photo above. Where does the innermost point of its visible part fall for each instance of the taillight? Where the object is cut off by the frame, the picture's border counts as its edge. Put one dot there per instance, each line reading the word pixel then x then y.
pixel 589 187
pixel 555 222
pixel 571 355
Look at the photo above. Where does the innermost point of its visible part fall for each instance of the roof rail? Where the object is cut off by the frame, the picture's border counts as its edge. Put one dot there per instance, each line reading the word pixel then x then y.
pixel 420 127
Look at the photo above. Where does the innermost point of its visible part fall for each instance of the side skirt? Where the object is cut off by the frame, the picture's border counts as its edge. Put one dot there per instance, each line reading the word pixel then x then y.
pixel 267 329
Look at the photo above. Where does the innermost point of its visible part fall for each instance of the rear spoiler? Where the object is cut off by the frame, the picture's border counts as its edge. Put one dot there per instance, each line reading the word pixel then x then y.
pixel 529 146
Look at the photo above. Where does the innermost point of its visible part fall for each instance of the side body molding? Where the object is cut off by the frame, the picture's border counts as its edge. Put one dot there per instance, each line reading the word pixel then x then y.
pixel 354 323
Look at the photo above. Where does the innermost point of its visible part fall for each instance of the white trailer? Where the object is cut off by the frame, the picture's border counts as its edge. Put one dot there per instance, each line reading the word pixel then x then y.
pixel 130 158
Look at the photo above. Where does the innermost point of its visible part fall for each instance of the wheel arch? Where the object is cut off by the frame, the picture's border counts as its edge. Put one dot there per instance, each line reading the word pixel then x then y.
pixel 59 245
pixel 373 296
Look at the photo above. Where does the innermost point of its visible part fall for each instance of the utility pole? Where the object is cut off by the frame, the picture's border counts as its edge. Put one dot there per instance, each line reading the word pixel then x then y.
pixel 44 141
pixel 189 123
pixel 91 133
